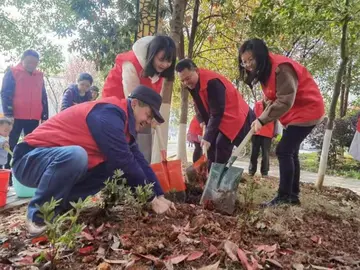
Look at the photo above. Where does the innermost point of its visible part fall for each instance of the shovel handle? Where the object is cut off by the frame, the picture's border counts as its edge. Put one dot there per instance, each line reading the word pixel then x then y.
pixel 241 146
pixel 204 148
pixel 161 142
pixel 9 151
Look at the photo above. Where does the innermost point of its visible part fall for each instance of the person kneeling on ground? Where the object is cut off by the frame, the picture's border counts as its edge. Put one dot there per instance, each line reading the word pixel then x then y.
pixel 71 155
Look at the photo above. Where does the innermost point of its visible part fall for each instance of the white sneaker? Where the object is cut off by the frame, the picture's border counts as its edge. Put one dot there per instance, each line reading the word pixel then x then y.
pixel 35 230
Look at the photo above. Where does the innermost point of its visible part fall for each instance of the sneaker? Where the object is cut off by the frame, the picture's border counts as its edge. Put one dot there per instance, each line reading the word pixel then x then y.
pixel 280 200
pixel 34 229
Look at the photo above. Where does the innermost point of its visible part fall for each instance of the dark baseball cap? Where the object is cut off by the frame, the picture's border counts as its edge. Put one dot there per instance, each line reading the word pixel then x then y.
pixel 151 98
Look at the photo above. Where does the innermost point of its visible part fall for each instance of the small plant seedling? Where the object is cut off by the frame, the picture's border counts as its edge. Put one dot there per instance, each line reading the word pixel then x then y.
pixel 117 192
pixel 62 230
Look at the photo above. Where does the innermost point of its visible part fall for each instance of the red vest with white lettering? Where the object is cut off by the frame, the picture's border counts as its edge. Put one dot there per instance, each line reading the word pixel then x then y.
pixel 114 86
pixel 309 103
pixel 268 129
pixel 69 127
pixel 236 109
pixel 27 100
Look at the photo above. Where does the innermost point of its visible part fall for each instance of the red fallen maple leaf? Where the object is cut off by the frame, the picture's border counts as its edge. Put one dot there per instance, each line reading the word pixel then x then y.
pixel 244 261
pixel 86 250
pixel 194 256
pixel 5 245
pixel 177 258
pixel 40 239
pixel 14 225
pixel 100 229
pixel 87 236
pixel 26 260
pixel 316 239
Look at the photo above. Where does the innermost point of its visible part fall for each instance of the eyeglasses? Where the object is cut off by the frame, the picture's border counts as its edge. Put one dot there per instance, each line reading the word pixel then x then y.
pixel 248 63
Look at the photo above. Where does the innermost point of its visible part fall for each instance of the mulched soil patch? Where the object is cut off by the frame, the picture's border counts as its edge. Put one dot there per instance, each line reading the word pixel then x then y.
pixel 307 237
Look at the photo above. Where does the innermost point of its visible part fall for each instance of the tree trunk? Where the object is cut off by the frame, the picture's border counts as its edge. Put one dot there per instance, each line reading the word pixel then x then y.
pixel 348 85
pixel 181 151
pixel 342 94
pixel 184 95
pixel 336 93
pixel 176 26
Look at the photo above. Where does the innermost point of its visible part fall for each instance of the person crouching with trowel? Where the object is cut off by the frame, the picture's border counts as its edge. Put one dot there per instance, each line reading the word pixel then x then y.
pixel 220 107
pixel 74 152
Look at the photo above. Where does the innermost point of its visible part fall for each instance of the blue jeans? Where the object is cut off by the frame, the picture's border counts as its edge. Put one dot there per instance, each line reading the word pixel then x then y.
pixel 59 172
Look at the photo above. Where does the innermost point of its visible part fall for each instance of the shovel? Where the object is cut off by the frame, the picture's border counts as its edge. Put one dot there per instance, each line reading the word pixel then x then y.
pixel 223 181
pixel 169 173
pixel 198 172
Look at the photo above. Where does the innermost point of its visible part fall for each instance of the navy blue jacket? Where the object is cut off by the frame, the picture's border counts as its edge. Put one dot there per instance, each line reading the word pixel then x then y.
pixel 72 97
pixel 7 95
pixel 106 124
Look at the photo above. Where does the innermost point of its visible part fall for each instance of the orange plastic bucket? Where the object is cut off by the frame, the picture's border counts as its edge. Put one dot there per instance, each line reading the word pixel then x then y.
pixel 4 183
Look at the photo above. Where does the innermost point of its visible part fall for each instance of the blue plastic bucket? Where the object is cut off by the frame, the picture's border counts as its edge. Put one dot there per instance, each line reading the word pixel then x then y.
pixel 21 190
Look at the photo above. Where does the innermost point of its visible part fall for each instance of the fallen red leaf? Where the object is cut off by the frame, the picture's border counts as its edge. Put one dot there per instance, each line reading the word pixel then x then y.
pixel 194 256
pixel 267 248
pixel 244 261
pixel 231 250
pixel 26 260
pixel 5 245
pixel 149 257
pixel 177 259
pixel 286 252
pixel 213 249
pixel 87 236
pixel 100 229
pixel 214 266
pixel 274 262
pixel 255 264
pixel 40 239
pixel 14 225
pixel 316 239
pixel 86 250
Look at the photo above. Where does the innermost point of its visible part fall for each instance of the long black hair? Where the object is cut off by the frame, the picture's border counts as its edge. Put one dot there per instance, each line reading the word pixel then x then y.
pixel 263 65
pixel 161 43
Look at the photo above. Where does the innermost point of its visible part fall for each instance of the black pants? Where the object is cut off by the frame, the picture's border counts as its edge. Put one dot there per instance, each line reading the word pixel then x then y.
pixel 263 143
pixel 20 125
pixel 197 152
pixel 221 149
pixel 287 152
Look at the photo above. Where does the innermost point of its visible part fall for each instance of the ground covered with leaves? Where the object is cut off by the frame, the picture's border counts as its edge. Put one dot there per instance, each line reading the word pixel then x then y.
pixel 321 234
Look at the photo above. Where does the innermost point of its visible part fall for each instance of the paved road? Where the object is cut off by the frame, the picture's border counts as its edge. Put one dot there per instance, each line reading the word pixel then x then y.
pixel 308 177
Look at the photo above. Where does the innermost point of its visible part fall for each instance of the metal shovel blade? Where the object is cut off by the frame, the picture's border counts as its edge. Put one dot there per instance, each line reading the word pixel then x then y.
pixel 221 187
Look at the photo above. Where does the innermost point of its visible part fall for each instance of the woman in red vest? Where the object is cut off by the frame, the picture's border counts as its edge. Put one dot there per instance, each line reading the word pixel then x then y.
pixel 194 136
pixel 151 60
pixel 294 99
pixel 262 139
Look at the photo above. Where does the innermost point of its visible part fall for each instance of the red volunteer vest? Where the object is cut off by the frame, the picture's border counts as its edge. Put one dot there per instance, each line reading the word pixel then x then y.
pixel 113 85
pixel 69 127
pixel 194 127
pixel 358 125
pixel 236 109
pixel 268 129
pixel 308 105
pixel 27 101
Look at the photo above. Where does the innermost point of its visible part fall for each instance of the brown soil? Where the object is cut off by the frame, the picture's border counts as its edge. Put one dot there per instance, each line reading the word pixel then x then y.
pixel 324 231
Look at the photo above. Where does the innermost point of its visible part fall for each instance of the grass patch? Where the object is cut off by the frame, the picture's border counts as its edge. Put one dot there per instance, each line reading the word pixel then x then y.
pixel 345 167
